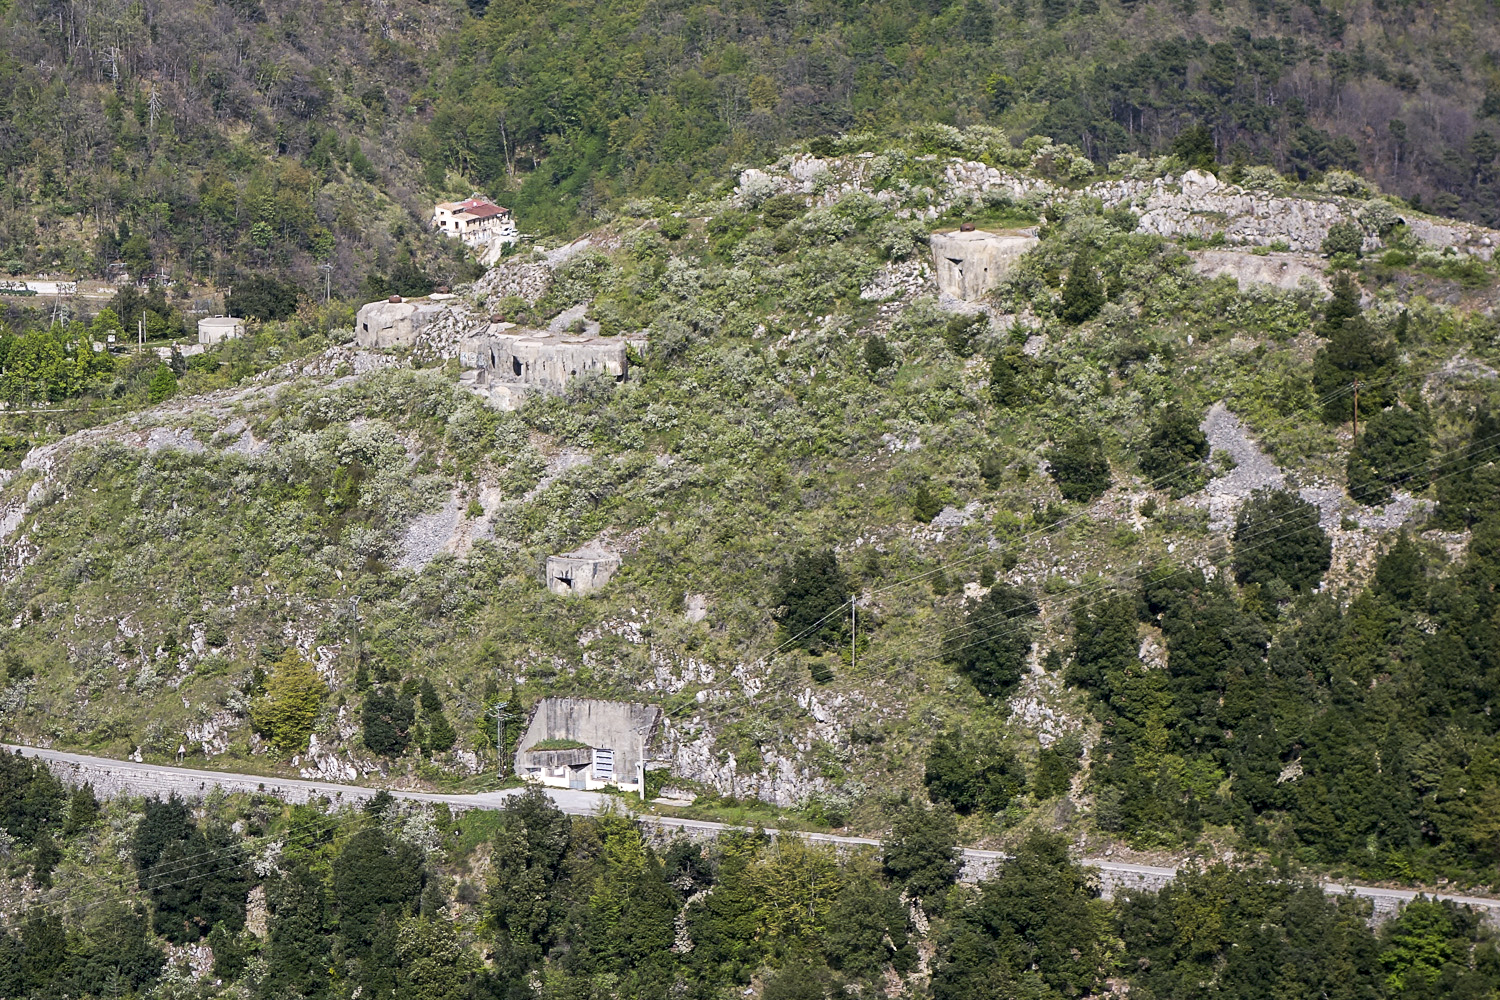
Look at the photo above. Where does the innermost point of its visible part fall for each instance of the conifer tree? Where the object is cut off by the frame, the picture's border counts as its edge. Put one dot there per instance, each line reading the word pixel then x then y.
pixel 1083 293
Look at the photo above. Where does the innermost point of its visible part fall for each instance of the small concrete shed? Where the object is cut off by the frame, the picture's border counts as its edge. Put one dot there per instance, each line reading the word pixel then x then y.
pixel 581 572
pixel 217 329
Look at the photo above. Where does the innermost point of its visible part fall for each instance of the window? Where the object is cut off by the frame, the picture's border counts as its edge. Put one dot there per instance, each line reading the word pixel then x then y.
pixel 604 764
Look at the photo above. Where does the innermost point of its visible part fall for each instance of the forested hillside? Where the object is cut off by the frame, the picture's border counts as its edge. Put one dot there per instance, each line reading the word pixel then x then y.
pixel 580 103
pixel 212 141
pixel 246 897
pixel 1122 566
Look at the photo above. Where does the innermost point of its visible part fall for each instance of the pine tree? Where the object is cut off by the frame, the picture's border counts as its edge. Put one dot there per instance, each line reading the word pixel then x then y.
pixel 924 503
pixel 991 648
pixel 1277 537
pixel 878 354
pixel 1079 467
pixel 163 385
pixel 1083 294
pixel 810 591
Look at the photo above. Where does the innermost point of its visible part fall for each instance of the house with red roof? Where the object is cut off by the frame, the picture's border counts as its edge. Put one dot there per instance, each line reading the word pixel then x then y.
pixel 475 220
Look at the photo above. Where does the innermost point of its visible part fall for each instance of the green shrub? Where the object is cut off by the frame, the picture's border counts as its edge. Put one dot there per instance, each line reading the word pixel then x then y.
pixel 1344 238
pixel 779 209
pixel 925 504
pixel 1277 538
pixel 1079 467
pixel 972 772
pixel 1174 453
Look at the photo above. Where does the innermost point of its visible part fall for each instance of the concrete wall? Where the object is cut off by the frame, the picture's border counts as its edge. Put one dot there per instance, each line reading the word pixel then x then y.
pixel 541 357
pixel 622 726
pixel 393 324
pixel 970 265
pixel 580 572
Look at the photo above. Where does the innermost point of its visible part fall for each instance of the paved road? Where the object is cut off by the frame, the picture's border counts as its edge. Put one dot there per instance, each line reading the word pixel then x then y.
pixel 114 776
pixel 55 288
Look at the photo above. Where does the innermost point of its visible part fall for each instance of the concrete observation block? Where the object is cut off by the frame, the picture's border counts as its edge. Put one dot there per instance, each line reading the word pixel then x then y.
pixel 580 572
pixel 972 263
pixel 394 323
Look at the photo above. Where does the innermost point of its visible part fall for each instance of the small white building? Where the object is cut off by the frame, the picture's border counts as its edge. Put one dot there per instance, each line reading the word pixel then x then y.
pixel 475 220
pixel 217 329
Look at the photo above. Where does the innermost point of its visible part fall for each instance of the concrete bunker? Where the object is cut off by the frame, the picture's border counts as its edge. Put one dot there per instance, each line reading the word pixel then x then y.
pixel 506 361
pixel 584 743
pixel 971 263
pixel 394 323
pixel 581 572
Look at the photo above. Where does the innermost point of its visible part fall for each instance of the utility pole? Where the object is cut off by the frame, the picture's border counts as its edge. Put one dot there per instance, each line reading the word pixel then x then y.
pixel 502 717
pixel 853 633
pixel 327 281
pixel 358 651
pixel 1356 408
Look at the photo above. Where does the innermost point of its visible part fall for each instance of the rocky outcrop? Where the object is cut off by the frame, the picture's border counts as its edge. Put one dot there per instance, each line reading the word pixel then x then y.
pixel 1199 204
pixel 1286 271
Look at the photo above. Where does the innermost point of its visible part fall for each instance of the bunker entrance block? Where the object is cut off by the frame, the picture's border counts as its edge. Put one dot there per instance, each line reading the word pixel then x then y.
pixel 971 264
pixel 580 572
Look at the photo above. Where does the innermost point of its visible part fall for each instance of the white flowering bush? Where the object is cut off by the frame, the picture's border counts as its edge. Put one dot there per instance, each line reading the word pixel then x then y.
pixel 1346 183
pixel 1263 178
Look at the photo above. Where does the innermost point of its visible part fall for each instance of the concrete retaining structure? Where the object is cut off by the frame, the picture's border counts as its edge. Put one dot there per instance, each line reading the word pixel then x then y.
pixel 614 735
